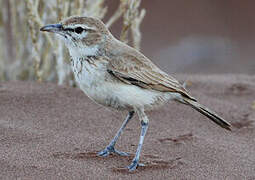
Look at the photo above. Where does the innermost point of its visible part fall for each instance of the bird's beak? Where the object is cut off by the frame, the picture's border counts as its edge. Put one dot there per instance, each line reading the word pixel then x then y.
pixel 52 28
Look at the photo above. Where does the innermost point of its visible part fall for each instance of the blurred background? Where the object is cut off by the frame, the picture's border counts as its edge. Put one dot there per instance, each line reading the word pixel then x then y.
pixel 180 36
pixel 199 36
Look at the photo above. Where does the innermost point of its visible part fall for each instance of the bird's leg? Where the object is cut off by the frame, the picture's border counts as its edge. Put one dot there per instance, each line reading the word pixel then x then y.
pixel 110 148
pixel 144 123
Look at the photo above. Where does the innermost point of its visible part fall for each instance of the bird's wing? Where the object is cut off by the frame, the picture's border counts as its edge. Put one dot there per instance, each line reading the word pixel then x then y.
pixel 134 68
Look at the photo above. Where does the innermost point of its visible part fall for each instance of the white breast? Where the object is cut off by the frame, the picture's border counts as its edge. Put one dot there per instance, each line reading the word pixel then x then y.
pixel 91 79
pixel 90 76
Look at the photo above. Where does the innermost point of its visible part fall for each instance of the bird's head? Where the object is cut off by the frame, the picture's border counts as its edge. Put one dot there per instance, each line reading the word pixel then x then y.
pixel 80 32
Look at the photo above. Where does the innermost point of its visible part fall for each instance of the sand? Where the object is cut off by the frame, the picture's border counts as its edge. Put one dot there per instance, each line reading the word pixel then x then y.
pixel 54 132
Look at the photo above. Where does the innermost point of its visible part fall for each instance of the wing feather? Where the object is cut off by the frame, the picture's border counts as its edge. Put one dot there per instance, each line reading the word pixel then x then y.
pixel 132 67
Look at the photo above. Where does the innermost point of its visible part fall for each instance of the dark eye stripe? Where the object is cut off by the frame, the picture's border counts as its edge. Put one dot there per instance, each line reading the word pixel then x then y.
pixel 78 30
pixel 69 29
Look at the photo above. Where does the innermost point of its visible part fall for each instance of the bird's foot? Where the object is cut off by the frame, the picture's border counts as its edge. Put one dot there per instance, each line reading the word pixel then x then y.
pixel 134 165
pixel 111 149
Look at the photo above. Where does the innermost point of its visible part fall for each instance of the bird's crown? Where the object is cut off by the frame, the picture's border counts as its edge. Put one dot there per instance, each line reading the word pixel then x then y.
pixel 78 24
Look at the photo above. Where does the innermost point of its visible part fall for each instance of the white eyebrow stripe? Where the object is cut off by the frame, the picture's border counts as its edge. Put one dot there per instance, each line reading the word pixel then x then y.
pixel 79 25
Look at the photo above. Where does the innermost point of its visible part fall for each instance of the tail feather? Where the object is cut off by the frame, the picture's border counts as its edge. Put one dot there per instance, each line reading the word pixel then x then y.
pixel 208 113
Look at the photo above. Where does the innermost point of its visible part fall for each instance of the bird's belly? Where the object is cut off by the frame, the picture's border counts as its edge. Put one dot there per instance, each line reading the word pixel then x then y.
pixel 126 97
pixel 118 95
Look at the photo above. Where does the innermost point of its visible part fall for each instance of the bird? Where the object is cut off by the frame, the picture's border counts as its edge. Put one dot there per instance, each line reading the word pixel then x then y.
pixel 115 75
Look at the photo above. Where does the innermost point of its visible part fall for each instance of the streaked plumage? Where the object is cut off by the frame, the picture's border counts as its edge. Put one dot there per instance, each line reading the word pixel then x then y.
pixel 116 75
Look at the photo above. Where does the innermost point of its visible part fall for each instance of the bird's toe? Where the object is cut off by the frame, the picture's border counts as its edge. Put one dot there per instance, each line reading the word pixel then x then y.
pixel 121 153
pixel 134 165
pixel 110 149
pixel 103 153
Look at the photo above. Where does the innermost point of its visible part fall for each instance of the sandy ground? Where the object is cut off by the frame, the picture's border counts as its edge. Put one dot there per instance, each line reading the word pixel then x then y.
pixel 54 132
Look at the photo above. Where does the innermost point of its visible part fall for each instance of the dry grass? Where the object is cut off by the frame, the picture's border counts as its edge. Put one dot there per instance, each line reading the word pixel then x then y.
pixel 27 54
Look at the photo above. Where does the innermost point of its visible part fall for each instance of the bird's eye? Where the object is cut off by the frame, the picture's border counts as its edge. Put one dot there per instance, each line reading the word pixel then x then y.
pixel 78 30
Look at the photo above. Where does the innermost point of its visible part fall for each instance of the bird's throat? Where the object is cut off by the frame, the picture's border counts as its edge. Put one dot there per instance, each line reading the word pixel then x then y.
pixel 83 51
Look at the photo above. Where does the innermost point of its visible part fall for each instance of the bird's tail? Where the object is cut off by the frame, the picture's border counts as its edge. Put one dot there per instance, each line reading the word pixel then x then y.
pixel 208 113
